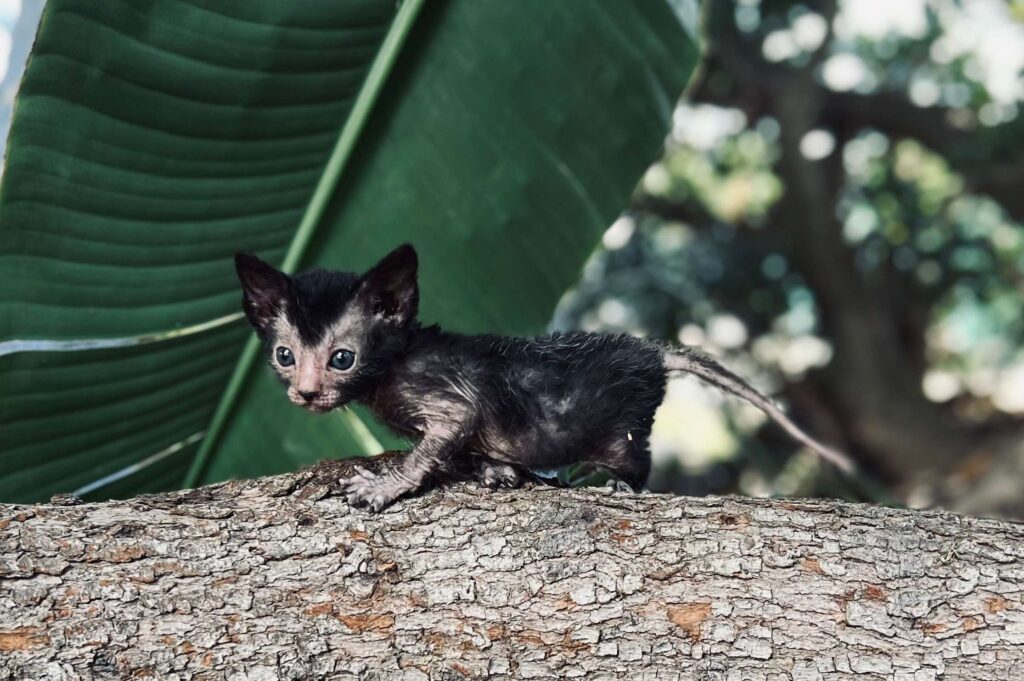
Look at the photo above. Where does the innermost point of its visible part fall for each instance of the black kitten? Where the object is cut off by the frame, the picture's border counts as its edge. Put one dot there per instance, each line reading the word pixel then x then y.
pixel 512 404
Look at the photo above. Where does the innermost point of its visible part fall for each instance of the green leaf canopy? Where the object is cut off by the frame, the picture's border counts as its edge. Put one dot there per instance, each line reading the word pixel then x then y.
pixel 152 140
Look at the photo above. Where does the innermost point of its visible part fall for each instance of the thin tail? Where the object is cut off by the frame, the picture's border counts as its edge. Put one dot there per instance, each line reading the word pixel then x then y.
pixel 691 361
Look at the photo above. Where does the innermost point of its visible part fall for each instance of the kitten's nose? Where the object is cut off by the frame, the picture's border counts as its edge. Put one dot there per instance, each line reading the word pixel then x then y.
pixel 308 395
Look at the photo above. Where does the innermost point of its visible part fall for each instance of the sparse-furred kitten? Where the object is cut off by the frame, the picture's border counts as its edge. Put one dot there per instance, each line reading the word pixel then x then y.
pixel 509 404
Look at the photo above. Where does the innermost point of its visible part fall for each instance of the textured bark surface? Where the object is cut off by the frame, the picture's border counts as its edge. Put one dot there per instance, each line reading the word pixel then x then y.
pixel 278 578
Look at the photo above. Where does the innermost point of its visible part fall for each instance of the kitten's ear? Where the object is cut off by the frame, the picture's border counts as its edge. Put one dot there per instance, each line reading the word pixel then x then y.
pixel 390 288
pixel 265 289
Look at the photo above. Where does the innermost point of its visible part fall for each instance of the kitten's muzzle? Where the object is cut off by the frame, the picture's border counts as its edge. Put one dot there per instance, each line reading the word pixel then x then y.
pixel 319 401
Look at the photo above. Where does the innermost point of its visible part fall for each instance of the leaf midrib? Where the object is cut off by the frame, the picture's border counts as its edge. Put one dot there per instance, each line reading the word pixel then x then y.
pixel 348 137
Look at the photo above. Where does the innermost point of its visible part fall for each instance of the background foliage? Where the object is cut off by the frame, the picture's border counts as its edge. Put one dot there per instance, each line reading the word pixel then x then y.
pixel 838 214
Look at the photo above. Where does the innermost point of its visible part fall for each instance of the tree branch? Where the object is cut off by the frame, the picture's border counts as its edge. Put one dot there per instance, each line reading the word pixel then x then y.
pixel 996 170
pixel 892 113
pixel 277 578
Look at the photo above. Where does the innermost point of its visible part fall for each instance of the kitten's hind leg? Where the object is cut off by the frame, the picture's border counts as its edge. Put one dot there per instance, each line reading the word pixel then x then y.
pixel 627 459
pixel 496 475
pixel 617 485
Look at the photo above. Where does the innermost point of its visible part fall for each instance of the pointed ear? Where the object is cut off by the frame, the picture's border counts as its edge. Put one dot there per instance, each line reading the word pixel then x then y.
pixel 264 288
pixel 390 287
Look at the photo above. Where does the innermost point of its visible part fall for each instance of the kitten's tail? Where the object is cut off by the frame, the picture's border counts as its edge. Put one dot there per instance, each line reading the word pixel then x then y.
pixel 691 361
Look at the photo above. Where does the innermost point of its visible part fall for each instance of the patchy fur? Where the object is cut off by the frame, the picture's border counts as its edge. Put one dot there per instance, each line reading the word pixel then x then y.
pixel 510 404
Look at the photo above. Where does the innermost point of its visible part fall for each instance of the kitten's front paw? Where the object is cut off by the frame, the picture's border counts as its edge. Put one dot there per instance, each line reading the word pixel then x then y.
pixel 367 489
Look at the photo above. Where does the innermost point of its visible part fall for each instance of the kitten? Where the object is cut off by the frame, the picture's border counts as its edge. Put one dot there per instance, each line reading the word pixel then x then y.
pixel 511 404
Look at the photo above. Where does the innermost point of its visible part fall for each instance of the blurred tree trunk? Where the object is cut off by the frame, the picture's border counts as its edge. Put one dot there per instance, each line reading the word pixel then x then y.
pixel 275 578
pixel 874 381
pixel 871 380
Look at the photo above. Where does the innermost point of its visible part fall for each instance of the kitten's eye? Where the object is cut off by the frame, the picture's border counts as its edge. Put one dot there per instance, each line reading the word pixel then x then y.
pixel 343 360
pixel 284 356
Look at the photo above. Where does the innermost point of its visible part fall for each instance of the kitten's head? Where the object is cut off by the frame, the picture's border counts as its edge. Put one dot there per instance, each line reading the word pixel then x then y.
pixel 331 335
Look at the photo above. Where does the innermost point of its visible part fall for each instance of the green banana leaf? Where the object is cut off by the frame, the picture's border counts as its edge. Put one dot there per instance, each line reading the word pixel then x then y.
pixel 153 139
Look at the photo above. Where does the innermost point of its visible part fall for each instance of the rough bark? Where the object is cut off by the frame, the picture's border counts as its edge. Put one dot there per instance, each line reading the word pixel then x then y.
pixel 278 578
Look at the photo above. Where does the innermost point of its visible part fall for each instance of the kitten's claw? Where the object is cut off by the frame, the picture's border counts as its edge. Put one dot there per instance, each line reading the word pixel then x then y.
pixel 362 472
pixel 369 490
pixel 495 475
pixel 619 486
